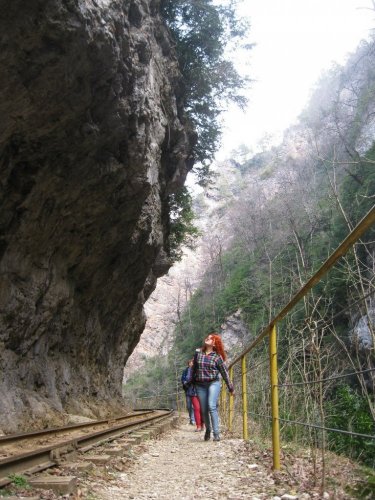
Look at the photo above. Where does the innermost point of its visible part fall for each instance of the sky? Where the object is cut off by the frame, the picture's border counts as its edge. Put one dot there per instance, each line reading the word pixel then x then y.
pixel 296 40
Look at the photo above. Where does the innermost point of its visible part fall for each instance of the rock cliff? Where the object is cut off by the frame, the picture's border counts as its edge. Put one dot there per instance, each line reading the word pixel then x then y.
pixel 92 140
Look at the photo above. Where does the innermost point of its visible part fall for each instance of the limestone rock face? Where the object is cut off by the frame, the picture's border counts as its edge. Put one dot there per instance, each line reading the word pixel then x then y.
pixel 92 141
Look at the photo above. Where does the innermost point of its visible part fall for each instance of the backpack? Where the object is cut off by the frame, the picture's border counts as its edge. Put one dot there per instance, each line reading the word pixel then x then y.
pixel 184 383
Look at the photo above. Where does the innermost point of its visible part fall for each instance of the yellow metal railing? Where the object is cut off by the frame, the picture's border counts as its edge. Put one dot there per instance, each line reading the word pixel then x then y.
pixel 271 331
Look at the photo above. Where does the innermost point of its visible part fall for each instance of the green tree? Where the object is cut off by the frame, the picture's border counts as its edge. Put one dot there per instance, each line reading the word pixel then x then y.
pixel 182 229
pixel 349 411
pixel 203 31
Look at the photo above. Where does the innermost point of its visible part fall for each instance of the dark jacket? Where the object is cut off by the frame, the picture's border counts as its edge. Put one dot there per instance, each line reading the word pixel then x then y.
pixel 189 387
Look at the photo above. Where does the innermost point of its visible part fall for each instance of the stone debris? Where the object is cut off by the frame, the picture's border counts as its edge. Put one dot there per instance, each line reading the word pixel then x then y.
pixel 78 419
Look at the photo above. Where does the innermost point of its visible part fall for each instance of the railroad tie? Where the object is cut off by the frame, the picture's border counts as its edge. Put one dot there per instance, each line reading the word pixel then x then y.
pixel 62 485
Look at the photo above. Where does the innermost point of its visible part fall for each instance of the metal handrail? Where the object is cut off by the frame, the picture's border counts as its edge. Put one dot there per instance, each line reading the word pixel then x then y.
pixel 367 221
pixel 270 330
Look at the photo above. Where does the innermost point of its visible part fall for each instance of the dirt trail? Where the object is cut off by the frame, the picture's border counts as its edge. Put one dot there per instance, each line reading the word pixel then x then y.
pixel 182 465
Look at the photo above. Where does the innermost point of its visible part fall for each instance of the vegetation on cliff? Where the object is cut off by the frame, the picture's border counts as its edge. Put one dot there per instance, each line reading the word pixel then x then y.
pixel 204 30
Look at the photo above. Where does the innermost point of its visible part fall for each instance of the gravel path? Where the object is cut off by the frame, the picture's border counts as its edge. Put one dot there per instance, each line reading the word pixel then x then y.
pixel 180 464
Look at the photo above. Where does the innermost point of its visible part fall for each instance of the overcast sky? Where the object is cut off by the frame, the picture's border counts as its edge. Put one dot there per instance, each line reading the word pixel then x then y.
pixel 295 41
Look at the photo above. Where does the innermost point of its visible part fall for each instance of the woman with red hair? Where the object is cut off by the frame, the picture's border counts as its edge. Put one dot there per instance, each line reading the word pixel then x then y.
pixel 206 370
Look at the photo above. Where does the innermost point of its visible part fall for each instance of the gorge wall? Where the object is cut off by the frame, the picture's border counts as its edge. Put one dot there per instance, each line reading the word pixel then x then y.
pixel 92 140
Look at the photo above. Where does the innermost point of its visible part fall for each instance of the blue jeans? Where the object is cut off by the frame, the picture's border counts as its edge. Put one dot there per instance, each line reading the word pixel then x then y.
pixel 208 397
pixel 190 409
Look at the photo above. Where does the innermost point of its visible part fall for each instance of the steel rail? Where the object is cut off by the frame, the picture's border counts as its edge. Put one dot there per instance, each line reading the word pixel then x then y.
pixel 50 455
pixel 367 221
pixel 11 438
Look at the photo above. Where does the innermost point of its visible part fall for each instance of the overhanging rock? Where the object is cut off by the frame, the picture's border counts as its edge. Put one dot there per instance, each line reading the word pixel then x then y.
pixel 92 140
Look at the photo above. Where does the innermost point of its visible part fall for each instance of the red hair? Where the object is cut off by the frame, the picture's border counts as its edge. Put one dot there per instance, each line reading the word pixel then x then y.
pixel 218 346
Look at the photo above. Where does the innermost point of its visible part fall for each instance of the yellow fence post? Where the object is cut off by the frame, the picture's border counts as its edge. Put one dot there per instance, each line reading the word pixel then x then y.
pixel 231 403
pixel 244 398
pixel 274 398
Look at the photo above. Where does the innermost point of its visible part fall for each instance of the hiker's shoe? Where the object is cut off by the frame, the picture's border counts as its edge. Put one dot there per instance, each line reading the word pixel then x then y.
pixel 217 438
pixel 207 435
pixel 198 429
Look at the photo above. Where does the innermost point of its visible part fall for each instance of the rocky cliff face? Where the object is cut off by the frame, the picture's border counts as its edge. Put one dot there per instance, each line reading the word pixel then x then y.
pixel 92 140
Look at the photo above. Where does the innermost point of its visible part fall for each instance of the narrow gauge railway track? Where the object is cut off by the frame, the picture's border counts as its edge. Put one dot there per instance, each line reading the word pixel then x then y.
pixel 10 443
pixel 64 440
